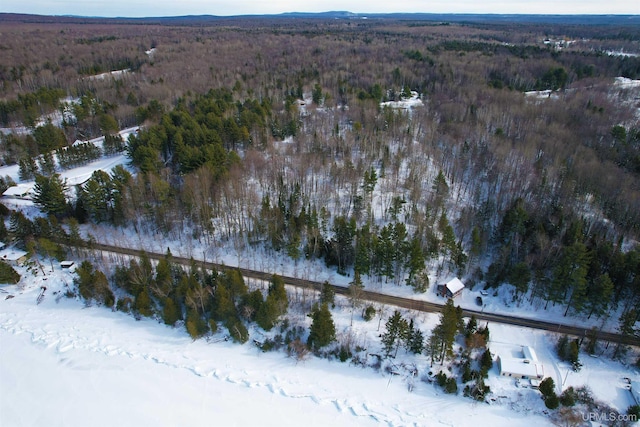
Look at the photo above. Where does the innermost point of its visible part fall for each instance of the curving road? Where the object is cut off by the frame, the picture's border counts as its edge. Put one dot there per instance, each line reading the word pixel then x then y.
pixel 409 303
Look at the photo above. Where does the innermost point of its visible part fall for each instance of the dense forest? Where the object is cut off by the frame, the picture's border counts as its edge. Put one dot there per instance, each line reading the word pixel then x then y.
pixel 284 133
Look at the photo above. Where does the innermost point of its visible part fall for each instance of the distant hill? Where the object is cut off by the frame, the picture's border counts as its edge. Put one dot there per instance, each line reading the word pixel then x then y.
pixel 427 17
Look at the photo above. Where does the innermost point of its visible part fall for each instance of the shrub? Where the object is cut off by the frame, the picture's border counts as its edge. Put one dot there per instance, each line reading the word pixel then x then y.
pixel 344 353
pixel 237 330
pixel 298 349
pixel 547 387
pixel 369 313
pixel 552 401
pixel 441 379
pixel 124 304
pixel 451 386
pixel 568 397
pixel 8 274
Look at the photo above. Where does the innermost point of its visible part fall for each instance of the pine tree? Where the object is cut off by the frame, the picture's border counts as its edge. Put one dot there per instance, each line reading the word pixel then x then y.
pixel 450 322
pixel 327 294
pixel 169 312
pixel 142 304
pixel 486 363
pixel 571 274
pixel 47 164
pixel 20 227
pixel 49 194
pixel 415 339
pixel 441 190
pixel 195 325
pixel 434 344
pixel 520 276
pixel 626 328
pixel 223 307
pixel 323 330
pixel 27 169
pixel 547 387
pixel 97 196
pixel 415 263
pixel 599 294
pixel 397 329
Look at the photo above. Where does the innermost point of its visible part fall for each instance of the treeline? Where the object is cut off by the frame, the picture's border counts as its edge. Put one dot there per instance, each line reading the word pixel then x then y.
pixel 28 107
pixel 202 300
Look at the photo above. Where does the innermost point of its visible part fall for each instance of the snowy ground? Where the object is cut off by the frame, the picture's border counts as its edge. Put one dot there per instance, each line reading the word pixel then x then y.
pixel 66 364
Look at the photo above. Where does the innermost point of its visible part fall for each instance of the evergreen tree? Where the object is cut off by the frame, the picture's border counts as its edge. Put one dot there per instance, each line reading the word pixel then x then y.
pixel 415 339
pixel 97 196
pixel 440 189
pixel 267 314
pixel 364 250
pixel 547 387
pixel 251 304
pixel 396 332
pixel 476 243
pixel 20 228
pixel 472 326
pixel 323 330
pixel 47 164
pixel 341 251
pixel 143 304
pixel 450 323
pixel 27 169
pixel 223 306
pixel 274 306
pixel 49 194
pixel 195 324
pixel 415 263
pixel 369 184
pixel 592 342
pixel 599 293
pixel 435 344
pixel 486 363
pixel 49 137
pixel 571 274
pixel 93 284
pixel 520 276
pixel 327 294
pixel 626 328
pixel 170 312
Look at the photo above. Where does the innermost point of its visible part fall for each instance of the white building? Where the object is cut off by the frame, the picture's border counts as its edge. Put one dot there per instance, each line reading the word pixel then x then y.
pixel 526 367
pixel 20 191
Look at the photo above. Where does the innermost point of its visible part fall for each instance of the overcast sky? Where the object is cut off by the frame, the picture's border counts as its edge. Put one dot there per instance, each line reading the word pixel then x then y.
pixel 151 8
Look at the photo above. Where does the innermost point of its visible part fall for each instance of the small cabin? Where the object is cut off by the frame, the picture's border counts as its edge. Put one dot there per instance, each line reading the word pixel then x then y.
pixel 20 191
pixel 66 264
pixel 12 256
pixel 451 289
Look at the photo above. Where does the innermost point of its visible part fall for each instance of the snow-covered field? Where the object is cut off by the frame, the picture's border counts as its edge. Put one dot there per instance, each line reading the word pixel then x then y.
pixel 62 363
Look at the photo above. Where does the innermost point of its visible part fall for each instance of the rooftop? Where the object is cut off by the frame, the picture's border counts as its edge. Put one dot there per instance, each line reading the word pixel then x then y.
pixel 454 285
